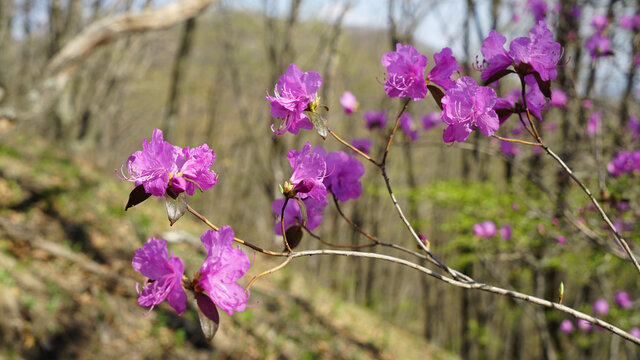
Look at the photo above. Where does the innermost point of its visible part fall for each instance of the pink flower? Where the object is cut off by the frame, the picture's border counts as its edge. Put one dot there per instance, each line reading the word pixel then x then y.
pixel 405 71
pixel 408 127
pixel 566 326
pixel 363 145
pixel 587 104
pixel 343 175
pixel 446 65
pixel 375 120
pixel 161 165
pixel 601 307
pixel 348 102
pixel 561 239
pixel 485 229
pixel 165 275
pixel 558 98
pixel 431 121
pixel 467 106
pixel 309 169
pixel 635 332
pixel 583 325
pixel 292 216
pixel 595 123
pixel 623 299
pixel 221 270
pixel 599 22
pixel 505 232
pixel 292 95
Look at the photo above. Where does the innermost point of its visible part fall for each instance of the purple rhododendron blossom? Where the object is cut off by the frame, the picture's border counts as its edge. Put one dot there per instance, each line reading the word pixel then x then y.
pixel 623 162
pixel 599 22
pixel 558 98
pixel 495 56
pixel 161 164
pixel 292 216
pixel 561 239
pixel 446 65
pixel 349 102
pixel 221 270
pixel 634 126
pixel 363 145
pixel 630 22
pixel 595 123
pixel 598 45
pixel 165 275
pixel 587 104
pixel 508 148
pixel 343 175
pixel 623 299
pixel 375 119
pixel 408 127
pixel 601 307
pixel 505 232
pixel 431 121
pixel 292 95
pixel 635 332
pixel 566 326
pixel 583 325
pixel 538 8
pixel 405 71
pixel 309 170
pixel 485 229
pixel 466 106
pixel 536 101
pixel 538 50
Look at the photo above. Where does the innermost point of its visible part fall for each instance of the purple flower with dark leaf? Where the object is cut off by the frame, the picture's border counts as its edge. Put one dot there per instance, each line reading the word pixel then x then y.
pixel 630 22
pixel 566 326
pixel 375 120
pixel 309 170
pixel 601 307
pixel 623 299
pixel 405 73
pixel 446 65
pixel 485 229
pixel 538 50
pixel 165 275
pixel 558 98
pixel 221 270
pixel 161 164
pixel 343 175
pixel 363 145
pixel 496 58
pixel 467 106
pixel 349 102
pixel 431 121
pixel 292 95
pixel 292 215
pixel 598 45
pixel 408 127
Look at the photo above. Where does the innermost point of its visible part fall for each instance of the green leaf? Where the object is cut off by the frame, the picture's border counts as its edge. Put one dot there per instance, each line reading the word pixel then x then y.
pixel 175 207
pixel 319 123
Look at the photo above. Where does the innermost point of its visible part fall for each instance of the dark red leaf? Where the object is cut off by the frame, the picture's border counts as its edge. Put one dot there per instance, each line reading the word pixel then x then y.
pixel 207 307
pixel 497 76
pixel 545 86
pixel 437 94
pixel 294 236
pixel 136 196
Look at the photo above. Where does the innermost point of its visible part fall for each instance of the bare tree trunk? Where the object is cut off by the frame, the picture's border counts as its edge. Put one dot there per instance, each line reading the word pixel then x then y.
pixel 179 67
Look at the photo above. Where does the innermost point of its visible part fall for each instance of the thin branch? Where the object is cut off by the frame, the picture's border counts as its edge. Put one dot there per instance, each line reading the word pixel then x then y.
pixel 516 140
pixel 340 140
pixel 393 132
pixel 478 286
pixel 284 233
pixel 239 241
pixel 270 271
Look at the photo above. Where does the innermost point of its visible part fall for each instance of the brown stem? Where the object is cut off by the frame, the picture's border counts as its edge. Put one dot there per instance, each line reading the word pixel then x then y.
pixel 393 132
pixel 319 238
pixel 353 225
pixel 239 241
pixel 340 140
pixel 516 140
pixel 284 233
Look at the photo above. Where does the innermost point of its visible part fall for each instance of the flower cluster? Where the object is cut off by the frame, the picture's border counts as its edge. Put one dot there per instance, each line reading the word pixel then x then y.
pixel 406 67
pixel 624 162
pixel 217 277
pixel 467 106
pixel 161 166
pixel 293 93
pixel 309 168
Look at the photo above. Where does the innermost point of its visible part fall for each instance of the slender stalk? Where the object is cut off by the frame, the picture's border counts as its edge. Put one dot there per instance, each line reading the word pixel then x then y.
pixel 319 238
pixel 239 241
pixel 393 132
pixel 270 271
pixel 340 140
pixel 478 286
pixel 351 223
pixel 516 140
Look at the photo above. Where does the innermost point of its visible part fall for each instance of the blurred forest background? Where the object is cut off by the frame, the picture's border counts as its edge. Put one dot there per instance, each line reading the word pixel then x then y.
pixel 82 82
